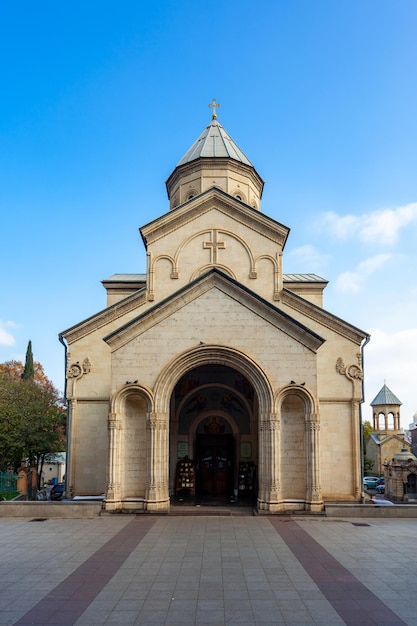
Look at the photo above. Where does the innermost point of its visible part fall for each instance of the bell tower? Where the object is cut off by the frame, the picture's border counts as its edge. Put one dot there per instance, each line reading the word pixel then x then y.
pixel 386 413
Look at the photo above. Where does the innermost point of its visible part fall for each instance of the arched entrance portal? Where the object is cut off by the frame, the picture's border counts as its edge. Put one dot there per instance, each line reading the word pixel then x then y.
pixel 213 436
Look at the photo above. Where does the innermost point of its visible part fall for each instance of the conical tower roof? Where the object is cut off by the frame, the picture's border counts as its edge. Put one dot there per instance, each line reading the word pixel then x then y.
pixel 385 397
pixel 214 141
pixel 214 160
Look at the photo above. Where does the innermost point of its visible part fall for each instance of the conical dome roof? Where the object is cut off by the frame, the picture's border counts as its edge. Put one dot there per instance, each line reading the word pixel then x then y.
pixel 385 397
pixel 214 160
pixel 214 141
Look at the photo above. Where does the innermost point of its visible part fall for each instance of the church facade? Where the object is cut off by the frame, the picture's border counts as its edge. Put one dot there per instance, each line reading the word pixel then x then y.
pixel 214 376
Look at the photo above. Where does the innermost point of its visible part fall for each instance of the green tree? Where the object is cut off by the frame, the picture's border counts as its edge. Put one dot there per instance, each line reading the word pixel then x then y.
pixel 32 416
pixel 29 371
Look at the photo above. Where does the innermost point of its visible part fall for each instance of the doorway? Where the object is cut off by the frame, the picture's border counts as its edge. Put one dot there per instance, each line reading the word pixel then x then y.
pixel 214 474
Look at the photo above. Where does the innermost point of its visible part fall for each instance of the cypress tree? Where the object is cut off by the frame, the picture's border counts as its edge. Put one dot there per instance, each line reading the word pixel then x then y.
pixel 29 371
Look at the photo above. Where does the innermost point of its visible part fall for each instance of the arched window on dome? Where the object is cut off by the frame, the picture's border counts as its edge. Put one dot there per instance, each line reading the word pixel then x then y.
pixel 191 194
pixel 239 195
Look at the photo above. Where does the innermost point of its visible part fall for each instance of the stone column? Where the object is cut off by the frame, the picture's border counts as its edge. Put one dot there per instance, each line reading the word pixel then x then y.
pixel 357 449
pixel 314 499
pixel 269 464
pixel 157 495
pixel 113 495
pixel 263 473
pixel 275 460
pixel 71 460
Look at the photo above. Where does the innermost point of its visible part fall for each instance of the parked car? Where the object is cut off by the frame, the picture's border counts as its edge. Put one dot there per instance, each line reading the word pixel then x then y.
pixel 380 481
pixel 57 491
pixel 370 482
pixel 380 488
pixel 380 502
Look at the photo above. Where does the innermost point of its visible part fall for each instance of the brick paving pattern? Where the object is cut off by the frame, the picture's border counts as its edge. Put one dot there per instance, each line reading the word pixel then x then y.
pixel 208 570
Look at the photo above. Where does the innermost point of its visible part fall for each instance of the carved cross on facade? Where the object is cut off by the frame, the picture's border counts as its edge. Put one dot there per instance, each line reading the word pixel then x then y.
pixel 213 246
pixel 213 106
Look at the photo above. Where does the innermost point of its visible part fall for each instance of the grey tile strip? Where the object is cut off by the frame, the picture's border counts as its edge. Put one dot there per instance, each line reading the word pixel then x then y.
pixel 349 597
pixel 66 603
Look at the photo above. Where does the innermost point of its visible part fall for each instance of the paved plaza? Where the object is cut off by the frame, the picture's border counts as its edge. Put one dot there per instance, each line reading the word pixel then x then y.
pixel 235 569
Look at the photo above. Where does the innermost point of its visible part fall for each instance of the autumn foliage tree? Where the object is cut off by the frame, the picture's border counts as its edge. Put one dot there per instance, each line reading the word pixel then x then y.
pixel 32 415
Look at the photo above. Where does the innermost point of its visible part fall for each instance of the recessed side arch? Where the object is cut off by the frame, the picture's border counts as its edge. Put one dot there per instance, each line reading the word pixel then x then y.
pixel 303 393
pixel 298 416
pixel 128 418
pixel 119 398
pixel 277 273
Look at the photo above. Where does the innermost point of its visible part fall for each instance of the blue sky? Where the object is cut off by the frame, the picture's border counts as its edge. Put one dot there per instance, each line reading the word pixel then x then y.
pixel 101 99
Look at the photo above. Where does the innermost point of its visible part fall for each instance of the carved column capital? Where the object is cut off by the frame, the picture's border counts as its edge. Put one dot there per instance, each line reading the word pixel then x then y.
pixel 113 422
pixel 270 425
pixel 157 421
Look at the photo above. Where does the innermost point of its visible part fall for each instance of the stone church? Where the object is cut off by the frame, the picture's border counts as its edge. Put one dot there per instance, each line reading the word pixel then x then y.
pixel 387 438
pixel 214 377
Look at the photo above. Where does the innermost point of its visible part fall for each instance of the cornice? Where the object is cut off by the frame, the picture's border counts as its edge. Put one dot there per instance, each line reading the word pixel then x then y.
pixel 215 198
pixel 323 317
pixel 214 163
pixel 214 279
pixel 104 317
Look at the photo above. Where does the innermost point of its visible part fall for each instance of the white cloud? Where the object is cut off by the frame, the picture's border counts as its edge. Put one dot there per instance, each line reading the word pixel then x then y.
pixel 6 337
pixel 307 257
pixel 391 357
pixel 353 282
pixel 382 226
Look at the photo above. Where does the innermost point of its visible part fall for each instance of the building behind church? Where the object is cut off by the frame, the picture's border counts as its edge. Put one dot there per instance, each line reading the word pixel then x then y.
pixel 214 376
pixel 387 438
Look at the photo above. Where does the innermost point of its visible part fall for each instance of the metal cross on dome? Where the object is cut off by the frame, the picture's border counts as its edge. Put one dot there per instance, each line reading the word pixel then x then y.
pixel 213 106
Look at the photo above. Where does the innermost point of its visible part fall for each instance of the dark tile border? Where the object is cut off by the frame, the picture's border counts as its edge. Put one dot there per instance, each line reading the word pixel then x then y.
pixel 349 597
pixel 68 601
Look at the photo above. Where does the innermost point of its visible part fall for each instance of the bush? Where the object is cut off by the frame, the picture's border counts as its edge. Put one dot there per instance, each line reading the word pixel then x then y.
pixel 9 495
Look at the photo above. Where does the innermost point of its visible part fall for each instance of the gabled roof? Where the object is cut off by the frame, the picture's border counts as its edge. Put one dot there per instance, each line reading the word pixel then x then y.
pixel 214 141
pixel 385 397
pixel 105 316
pixel 214 278
pixel 381 441
pixel 214 198
pixel 322 316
